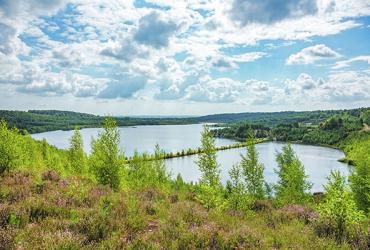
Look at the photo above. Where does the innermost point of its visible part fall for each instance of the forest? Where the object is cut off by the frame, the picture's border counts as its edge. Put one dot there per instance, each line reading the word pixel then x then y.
pixel 37 121
pixel 329 131
pixel 65 199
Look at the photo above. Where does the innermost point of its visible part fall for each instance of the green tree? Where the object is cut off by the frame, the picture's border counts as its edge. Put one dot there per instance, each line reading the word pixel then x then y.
pixel 238 199
pixel 207 159
pixel 292 186
pixel 76 155
pixel 159 165
pixel 360 176
pixel 253 170
pixel 105 160
pixel 339 211
pixel 10 151
pixel 209 191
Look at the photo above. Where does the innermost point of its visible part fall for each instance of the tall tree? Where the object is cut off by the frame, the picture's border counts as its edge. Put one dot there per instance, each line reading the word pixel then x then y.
pixel 292 186
pixel 253 170
pixel 105 160
pixel 207 161
pixel 76 154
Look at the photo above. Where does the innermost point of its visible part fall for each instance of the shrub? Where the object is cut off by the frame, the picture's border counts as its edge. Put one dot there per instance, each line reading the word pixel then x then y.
pixel 338 212
pixel 10 151
pixel 238 199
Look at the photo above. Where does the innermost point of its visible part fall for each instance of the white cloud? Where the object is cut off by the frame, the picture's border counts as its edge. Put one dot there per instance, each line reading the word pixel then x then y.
pixel 221 90
pixel 95 41
pixel 312 54
pixel 347 63
pixel 345 87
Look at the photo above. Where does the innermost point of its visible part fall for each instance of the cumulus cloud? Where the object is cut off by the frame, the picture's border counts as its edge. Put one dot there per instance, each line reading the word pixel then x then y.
pixel 304 82
pixel 221 90
pixel 122 88
pixel 126 51
pixel 351 86
pixel 312 54
pixel 270 11
pixel 12 8
pixel 41 82
pixel 173 50
pixel 223 63
pixel 155 31
pixel 6 35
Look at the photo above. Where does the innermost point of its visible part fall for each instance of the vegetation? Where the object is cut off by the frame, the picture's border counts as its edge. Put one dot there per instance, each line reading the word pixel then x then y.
pixel 328 128
pixel 292 186
pixel 358 153
pixel 339 214
pixel 253 170
pixel 106 161
pixel 47 201
pixel 37 121
pixel 76 155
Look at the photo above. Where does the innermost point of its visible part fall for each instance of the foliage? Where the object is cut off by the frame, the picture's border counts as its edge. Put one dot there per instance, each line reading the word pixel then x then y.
pixel 207 159
pixel 76 155
pixel 339 209
pixel 238 198
pixel 18 151
pixel 210 196
pixel 358 151
pixel 147 171
pixel 106 162
pixel 292 186
pixel 209 191
pixel 316 127
pixel 253 170
pixel 38 121
pixel 10 152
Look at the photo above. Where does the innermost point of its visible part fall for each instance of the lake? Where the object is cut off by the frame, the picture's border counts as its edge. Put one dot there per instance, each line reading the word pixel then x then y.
pixel 318 161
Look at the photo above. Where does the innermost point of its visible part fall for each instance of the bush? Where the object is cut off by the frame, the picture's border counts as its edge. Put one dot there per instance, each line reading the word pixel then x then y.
pixel 339 214
pixel 10 150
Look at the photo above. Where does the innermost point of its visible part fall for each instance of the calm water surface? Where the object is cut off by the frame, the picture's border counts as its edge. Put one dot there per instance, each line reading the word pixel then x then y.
pixel 318 161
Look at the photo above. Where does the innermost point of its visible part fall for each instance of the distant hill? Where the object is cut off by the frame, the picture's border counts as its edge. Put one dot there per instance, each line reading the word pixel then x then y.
pixel 35 121
pixel 275 118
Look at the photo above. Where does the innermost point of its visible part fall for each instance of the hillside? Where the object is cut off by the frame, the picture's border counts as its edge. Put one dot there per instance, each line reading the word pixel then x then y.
pixel 35 121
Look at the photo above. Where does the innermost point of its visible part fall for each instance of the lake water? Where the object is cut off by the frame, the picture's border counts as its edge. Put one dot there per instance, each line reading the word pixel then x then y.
pixel 318 161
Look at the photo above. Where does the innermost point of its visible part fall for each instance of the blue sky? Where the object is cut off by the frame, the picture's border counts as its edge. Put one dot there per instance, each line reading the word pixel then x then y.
pixel 172 57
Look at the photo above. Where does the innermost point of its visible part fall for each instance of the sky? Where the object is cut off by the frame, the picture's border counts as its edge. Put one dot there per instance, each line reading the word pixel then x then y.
pixel 184 57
